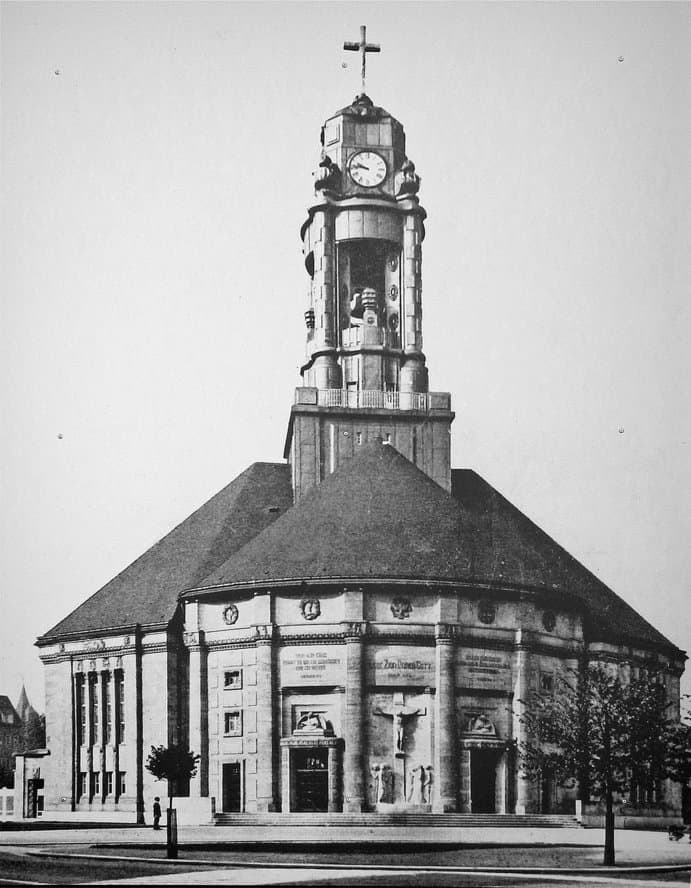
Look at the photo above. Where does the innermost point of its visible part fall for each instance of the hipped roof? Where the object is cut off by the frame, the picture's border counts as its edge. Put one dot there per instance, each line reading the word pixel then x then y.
pixel 147 591
pixel 377 518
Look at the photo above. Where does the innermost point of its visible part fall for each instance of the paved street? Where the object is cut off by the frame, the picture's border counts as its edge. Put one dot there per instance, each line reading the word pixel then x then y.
pixel 300 856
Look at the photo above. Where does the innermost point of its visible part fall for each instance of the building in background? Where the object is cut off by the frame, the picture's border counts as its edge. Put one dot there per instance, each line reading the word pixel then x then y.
pixel 22 742
pixel 11 733
pixel 351 630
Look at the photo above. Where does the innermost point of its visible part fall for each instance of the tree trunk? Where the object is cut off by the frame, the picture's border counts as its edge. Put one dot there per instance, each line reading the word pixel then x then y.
pixel 171 831
pixel 609 824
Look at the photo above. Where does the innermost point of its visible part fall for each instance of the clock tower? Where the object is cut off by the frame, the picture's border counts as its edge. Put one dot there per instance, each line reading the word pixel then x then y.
pixel 365 375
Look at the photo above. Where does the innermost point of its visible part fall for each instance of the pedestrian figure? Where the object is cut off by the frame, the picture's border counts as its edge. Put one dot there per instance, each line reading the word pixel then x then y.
pixel 157 812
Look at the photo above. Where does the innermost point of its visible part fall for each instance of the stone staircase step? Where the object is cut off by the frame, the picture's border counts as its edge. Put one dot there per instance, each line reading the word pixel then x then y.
pixel 447 821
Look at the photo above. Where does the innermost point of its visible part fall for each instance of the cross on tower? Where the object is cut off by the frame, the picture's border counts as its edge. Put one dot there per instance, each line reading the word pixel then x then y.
pixel 363 47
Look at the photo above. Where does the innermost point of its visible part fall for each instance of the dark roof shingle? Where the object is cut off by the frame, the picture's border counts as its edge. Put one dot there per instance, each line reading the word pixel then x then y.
pixel 146 592
pixel 378 516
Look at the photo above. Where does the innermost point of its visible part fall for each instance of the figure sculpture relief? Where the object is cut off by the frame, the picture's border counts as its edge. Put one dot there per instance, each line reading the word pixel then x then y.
pixel 398 714
pixel 480 724
pixel 416 784
pixel 382 783
pixel 311 723
pixel 426 775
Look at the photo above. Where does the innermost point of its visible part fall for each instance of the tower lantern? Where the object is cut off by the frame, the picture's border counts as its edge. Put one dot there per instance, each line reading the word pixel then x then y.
pixel 365 374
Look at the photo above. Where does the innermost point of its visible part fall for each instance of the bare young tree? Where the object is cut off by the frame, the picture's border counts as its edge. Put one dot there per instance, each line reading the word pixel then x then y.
pixel 176 764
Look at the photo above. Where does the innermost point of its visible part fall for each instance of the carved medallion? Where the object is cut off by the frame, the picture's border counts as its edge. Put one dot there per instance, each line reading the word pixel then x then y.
pixel 487 612
pixel 230 614
pixel 401 608
pixel 310 608
pixel 549 621
pixel 393 292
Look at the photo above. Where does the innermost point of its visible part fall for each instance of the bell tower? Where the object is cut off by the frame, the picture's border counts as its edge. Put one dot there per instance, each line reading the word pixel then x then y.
pixel 365 375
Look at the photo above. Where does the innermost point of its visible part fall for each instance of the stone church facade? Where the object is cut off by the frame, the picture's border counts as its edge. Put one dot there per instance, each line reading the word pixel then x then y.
pixel 354 629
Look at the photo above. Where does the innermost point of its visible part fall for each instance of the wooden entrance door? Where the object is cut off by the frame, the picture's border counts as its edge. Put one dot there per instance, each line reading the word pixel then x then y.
pixel 232 786
pixel 311 780
pixel 483 781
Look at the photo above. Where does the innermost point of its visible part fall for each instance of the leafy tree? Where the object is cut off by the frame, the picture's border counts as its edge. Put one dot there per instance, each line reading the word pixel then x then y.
pixel 6 777
pixel 176 764
pixel 607 733
pixel 34 731
pixel 679 746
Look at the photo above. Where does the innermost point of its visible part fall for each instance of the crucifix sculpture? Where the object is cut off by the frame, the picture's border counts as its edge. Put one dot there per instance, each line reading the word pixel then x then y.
pixel 398 713
pixel 363 47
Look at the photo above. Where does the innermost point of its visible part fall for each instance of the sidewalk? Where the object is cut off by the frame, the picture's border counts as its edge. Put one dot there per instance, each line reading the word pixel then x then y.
pixel 489 847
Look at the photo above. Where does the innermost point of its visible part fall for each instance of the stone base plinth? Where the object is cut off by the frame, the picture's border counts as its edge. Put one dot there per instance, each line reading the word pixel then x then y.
pixel 401 808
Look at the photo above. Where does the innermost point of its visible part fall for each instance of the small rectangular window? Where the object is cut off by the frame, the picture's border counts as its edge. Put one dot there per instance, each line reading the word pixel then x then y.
pixel 120 704
pixel 83 785
pixel 232 678
pixel 546 682
pixel 122 783
pixel 232 723
pixel 82 713
pixel 109 783
pixel 95 712
pixel 96 783
pixel 108 706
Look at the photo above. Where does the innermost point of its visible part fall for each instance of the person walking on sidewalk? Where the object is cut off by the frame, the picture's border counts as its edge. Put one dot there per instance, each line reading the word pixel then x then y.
pixel 157 812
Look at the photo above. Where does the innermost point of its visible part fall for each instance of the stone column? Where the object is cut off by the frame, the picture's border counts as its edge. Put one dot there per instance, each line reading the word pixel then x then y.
pixel 500 784
pixel 139 723
pixel 464 772
pixel 198 710
pixel 413 371
pixel 89 738
pixel 286 780
pixel 267 771
pixel 520 695
pixel 78 692
pixel 353 778
pixel 446 741
pixel 327 372
pixel 334 801
pixel 103 728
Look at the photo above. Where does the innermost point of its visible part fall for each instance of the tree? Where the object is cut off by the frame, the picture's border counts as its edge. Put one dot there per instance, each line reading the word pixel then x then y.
pixel 6 778
pixel 176 764
pixel 34 731
pixel 607 732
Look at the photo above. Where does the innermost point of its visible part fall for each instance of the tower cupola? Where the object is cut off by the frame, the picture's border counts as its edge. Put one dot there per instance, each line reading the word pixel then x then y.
pixel 362 245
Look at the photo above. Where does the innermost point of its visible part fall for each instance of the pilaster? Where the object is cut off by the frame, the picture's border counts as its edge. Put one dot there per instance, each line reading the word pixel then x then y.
pixel 445 752
pixel 353 778
pixel 267 770
pixel 522 657
pixel 198 710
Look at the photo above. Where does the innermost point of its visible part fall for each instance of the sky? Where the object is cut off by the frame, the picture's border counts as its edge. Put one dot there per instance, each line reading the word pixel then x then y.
pixel 156 168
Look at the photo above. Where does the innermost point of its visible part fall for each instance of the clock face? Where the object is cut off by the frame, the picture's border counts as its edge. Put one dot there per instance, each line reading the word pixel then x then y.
pixel 367 168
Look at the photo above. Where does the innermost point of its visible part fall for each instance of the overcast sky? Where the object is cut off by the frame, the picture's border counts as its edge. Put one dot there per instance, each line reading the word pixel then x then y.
pixel 156 167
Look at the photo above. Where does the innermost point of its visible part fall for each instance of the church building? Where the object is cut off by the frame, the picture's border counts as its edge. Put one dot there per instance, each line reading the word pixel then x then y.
pixel 353 629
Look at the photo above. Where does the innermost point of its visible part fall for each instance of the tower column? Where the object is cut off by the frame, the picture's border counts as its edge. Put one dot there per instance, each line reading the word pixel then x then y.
pixel 413 371
pixel 353 780
pixel 445 752
pixel 327 371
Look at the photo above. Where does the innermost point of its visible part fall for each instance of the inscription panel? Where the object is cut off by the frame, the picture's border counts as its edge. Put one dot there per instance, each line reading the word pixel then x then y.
pixel 399 665
pixel 478 668
pixel 313 665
